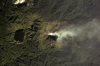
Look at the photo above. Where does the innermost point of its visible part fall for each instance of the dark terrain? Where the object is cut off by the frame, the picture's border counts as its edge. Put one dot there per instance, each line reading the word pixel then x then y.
pixel 24 28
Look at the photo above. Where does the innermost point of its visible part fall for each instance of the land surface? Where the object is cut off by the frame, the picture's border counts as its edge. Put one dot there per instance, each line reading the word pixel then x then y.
pixel 25 27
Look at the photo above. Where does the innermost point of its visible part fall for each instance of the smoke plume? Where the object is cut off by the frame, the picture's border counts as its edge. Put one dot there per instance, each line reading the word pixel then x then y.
pixel 87 38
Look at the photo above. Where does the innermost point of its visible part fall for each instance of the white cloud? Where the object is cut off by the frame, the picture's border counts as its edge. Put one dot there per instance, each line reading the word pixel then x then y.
pixel 19 1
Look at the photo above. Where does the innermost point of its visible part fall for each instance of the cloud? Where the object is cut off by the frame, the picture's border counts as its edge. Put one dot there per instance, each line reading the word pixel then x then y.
pixel 19 1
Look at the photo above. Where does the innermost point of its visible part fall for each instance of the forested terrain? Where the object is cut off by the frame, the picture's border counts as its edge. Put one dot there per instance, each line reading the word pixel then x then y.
pixel 25 27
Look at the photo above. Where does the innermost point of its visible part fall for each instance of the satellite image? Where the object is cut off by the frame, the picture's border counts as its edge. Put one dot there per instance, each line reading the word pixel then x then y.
pixel 49 32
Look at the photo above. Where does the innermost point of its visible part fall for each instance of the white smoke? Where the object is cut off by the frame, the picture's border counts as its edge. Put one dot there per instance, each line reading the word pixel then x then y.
pixel 62 34
pixel 86 37
pixel 90 31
